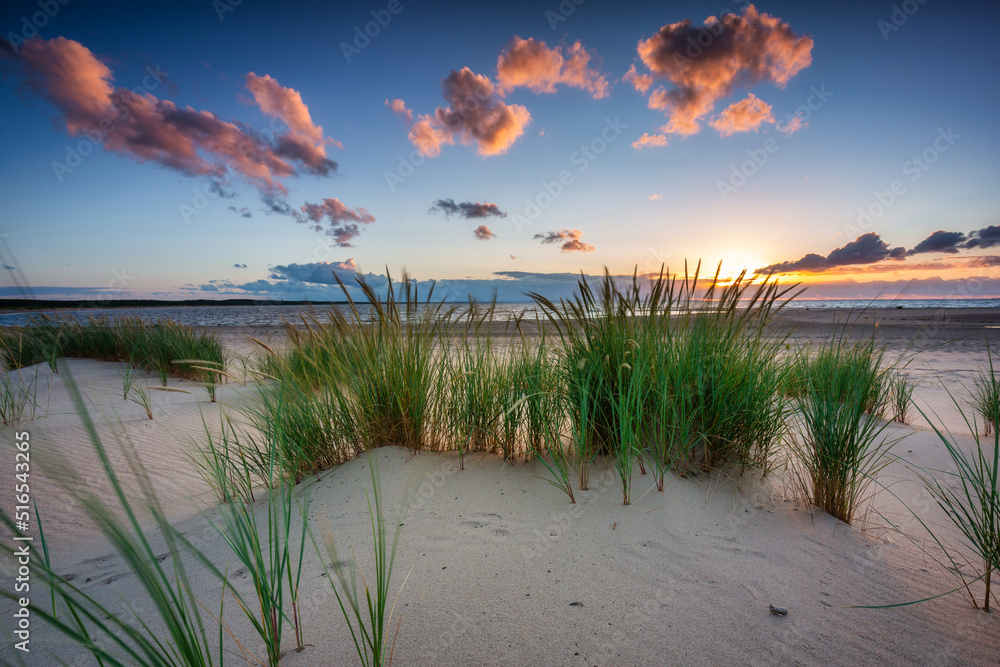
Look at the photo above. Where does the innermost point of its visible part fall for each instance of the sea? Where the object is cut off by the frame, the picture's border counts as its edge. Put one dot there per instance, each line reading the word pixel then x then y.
pixel 277 315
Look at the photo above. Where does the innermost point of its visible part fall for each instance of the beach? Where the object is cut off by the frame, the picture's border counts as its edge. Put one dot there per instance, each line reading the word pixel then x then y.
pixel 497 567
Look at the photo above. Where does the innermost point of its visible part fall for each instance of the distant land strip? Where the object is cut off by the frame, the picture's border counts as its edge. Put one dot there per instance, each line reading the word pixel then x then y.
pixel 9 305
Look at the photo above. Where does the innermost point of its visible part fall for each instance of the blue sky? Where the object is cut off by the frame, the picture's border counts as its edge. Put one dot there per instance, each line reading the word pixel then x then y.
pixel 887 96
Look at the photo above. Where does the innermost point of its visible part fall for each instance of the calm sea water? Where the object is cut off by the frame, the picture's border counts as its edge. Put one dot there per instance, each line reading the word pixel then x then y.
pixel 204 316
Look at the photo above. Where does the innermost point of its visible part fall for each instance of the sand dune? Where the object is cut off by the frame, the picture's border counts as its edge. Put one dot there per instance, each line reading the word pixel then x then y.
pixel 503 570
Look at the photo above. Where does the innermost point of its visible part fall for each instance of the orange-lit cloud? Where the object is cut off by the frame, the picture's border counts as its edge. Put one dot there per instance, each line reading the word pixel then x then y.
pixel 304 140
pixel 571 240
pixel 707 63
pixel 641 82
pixel 399 107
pixel 743 116
pixel 648 140
pixel 483 233
pixel 475 115
pixel 792 125
pixel 149 129
pixel 531 64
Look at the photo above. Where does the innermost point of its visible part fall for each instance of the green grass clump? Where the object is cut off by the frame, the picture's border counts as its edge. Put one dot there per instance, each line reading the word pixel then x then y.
pixel 182 637
pixel 154 347
pixel 985 399
pixel 671 370
pixel 901 396
pixel 970 497
pixel 841 391
pixel 18 397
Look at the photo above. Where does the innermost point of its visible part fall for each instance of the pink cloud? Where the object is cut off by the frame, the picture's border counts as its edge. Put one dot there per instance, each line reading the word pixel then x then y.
pixel 571 240
pixel 343 222
pixel 792 125
pixel 304 140
pixel 475 115
pixel 707 63
pixel 148 129
pixel 641 82
pixel 747 114
pixel 532 64
pixel 483 233
pixel 648 140
pixel 399 107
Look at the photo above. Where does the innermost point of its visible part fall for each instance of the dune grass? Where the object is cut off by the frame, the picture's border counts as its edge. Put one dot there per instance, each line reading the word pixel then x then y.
pixel 154 347
pixel 369 616
pixel 901 397
pixel 970 497
pixel 267 548
pixel 674 368
pixel 180 636
pixel 841 390
pixel 984 398
pixel 18 397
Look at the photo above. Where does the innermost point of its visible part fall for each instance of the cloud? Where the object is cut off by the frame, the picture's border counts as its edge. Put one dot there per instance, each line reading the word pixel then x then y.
pixel 399 107
pixel 148 129
pixel 343 222
pixel 747 114
pixel 318 273
pixel 239 266
pixel 243 212
pixel 648 140
pixel 483 233
pixel 704 64
pixel 985 261
pixel 986 237
pixel 569 238
pixel 304 140
pixel 655 197
pixel 641 82
pixel 475 115
pixel 531 64
pixel 866 249
pixel 940 241
pixel 792 125
pixel 467 209
pixel 276 204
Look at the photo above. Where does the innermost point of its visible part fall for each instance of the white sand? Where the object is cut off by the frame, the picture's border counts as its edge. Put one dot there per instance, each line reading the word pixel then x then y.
pixel 497 557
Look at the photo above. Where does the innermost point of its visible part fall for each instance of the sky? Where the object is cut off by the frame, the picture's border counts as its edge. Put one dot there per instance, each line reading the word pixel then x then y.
pixel 233 148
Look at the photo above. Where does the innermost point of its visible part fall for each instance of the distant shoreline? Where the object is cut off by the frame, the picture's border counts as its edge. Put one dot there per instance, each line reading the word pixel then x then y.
pixel 20 305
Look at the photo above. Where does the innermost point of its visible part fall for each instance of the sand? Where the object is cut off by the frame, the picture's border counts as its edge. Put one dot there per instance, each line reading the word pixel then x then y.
pixel 503 570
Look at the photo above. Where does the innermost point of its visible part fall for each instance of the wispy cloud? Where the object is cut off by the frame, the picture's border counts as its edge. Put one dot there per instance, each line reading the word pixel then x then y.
pixel 149 129
pixel 467 209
